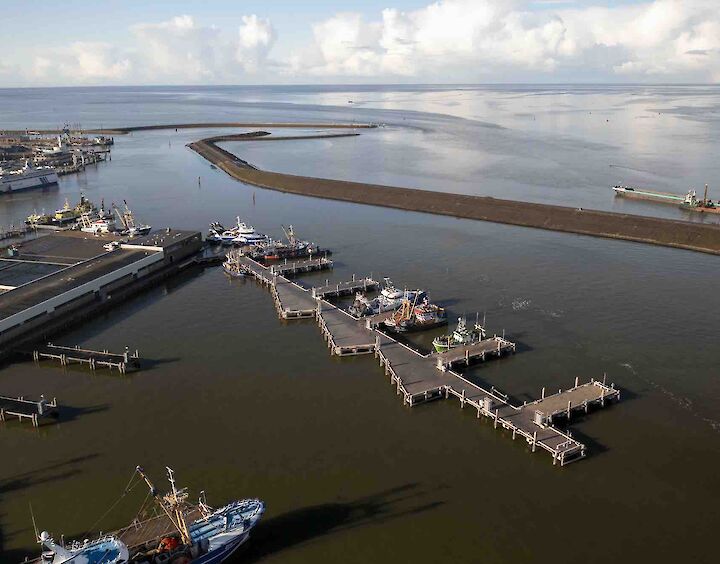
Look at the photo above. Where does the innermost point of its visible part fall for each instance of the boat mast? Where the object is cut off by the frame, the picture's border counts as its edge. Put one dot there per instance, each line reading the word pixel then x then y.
pixel 170 503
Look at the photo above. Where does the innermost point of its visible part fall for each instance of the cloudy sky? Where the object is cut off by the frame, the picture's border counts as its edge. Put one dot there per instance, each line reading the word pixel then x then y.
pixel 78 42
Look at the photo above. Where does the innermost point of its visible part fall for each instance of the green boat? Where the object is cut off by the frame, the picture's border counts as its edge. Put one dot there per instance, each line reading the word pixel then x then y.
pixel 461 336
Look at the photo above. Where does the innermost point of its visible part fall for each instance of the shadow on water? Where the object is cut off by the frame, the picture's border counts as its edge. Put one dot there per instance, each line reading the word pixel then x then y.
pixel 70 413
pixel 50 473
pixel 291 529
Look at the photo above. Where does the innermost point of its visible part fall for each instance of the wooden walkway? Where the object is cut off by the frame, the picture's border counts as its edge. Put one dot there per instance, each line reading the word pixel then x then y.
pixel 23 408
pixel 344 288
pixel 344 334
pixel 494 346
pixel 94 359
pixel 291 301
pixel 296 267
pixel 421 378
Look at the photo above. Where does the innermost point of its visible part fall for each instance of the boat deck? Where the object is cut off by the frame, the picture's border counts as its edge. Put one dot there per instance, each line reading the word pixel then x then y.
pixel 150 530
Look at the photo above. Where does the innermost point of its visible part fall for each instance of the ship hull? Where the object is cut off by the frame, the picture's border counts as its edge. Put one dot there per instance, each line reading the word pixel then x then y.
pixel 39 181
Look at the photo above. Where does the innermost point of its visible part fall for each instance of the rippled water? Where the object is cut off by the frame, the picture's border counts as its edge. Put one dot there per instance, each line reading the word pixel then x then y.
pixel 241 404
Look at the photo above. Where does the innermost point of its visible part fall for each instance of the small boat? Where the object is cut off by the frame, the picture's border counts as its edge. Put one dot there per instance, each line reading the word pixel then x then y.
pixel 240 234
pixel 232 265
pixel 246 234
pixel 127 220
pixel 363 306
pixel 460 336
pixel 413 317
pixel 96 226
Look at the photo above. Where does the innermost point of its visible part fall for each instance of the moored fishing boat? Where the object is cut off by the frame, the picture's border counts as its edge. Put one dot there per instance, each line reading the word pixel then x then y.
pixel 363 306
pixel 411 316
pixel 130 227
pixel 460 336
pixel 232 265
pixel 186 533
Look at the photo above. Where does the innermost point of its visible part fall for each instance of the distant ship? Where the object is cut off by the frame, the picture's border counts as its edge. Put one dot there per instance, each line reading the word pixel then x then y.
pixel 26 178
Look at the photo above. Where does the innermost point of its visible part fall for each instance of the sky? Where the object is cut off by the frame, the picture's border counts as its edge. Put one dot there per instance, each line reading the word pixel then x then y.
pixel 133 42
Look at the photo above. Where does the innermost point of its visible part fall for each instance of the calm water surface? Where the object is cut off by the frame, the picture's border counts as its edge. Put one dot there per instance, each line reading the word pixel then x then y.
pixel 241 404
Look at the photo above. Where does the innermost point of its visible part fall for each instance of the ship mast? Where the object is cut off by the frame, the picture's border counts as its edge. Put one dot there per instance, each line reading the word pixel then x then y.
pixel 171 503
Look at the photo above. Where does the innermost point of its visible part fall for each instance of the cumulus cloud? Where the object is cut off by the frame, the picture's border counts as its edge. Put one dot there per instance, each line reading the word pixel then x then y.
pixel 445 40
pixel 494 39
pixel 84 60
pixel 179 50
pixel 256 37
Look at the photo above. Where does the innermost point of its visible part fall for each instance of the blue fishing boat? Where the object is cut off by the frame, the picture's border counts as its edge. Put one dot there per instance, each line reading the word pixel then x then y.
pixel 183 533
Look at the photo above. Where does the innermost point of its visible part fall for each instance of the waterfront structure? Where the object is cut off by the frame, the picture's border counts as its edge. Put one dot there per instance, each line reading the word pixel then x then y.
pixel 63 277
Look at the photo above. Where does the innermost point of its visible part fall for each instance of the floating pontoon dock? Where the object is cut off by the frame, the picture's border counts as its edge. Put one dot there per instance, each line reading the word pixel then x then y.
pixel 420 378
pixel 94 359
pixel 27 409
pixel 344 288
pixel 297 266
pixel 494 346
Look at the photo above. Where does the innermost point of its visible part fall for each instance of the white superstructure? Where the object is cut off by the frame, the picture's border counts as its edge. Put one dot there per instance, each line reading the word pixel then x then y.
pixel 26 178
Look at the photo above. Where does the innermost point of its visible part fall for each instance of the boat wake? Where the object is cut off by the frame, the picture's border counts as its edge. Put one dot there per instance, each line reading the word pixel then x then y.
pixel 681 401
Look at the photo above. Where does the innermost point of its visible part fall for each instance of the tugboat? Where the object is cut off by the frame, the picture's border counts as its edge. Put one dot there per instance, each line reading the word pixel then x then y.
pixel 460 337
pixel 413 317
pixel 232 265
pixel 210 538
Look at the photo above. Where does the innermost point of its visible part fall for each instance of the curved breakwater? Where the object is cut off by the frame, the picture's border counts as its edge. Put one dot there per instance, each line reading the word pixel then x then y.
pixel 642 229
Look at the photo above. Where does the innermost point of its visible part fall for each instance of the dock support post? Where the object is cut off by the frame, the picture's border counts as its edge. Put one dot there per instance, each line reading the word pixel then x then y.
pixel 568 409
pixel 576 381
pixel 534 443
pixel 514 431
pixel 543 394
pixel 2 414
pixel 496 418
pixel 462 400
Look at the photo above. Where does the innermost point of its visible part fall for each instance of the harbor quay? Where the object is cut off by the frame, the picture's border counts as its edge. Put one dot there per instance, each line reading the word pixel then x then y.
pixel 419 378
pixel 62 277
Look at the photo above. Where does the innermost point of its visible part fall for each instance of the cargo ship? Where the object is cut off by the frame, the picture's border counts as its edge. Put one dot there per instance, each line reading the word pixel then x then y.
pixel 706 205
pixel 26 178
pixel 644 194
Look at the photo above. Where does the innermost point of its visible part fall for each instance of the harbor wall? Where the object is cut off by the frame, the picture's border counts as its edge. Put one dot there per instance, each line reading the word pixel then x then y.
pixel 78 304
pixel 642 229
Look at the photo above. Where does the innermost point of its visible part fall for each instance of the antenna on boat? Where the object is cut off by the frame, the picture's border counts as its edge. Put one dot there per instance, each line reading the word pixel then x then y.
pixel 32 516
